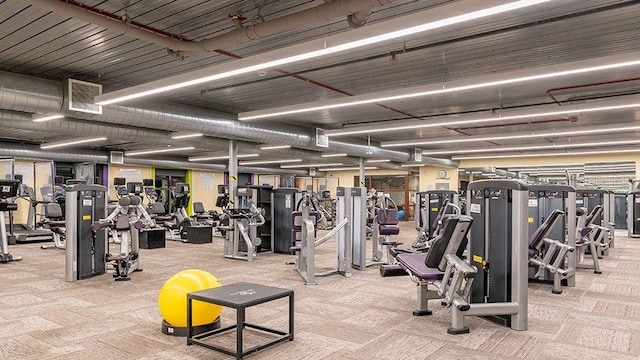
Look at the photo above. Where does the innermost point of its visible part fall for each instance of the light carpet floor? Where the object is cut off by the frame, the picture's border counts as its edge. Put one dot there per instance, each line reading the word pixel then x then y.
pixel 362 317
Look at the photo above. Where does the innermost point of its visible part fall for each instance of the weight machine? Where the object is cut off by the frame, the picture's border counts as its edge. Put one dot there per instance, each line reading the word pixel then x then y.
pixel 124 225
pixel 241 223
pixel 304 224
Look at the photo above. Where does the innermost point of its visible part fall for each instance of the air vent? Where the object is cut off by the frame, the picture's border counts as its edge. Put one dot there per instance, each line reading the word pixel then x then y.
pixel 81 95
pixel 322 140
pixel 116 157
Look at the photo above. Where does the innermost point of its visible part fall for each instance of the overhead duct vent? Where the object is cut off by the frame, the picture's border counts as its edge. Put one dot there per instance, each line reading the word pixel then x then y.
pixel 116 157
pixel 81 95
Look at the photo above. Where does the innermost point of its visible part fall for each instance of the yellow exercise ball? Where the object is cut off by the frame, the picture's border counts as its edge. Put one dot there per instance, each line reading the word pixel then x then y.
pixel 172 300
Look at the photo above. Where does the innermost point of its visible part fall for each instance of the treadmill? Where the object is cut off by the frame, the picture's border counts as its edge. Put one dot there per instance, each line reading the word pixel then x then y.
pixel 26 233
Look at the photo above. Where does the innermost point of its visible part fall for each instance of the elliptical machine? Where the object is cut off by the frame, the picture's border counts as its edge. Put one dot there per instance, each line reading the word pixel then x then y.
pixel 8 189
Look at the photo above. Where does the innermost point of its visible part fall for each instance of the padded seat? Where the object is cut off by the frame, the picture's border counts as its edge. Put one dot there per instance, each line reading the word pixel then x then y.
pixel 389 230
pixel 56 223
pixel 415 264
pixel 536 239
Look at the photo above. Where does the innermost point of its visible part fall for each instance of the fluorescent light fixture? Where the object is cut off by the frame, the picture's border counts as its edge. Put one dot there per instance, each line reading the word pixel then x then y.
pixel 261 162
pixel 544 133
pixel 530 147
pixel 558 153
pixel 548 112
pixel 42 118
pixel 158 151
pixel 333 155
pixel 219 157
pixel 274 147
pixel 186 136
pixel 492 80
pixel 308 165
pixel 348 168
pixel 415 165
pixel 376 33
pixel 378 161
pixel 59 144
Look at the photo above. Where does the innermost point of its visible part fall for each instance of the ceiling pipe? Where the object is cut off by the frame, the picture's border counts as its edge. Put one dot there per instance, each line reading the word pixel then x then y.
pixel 356 11
pixel 32 94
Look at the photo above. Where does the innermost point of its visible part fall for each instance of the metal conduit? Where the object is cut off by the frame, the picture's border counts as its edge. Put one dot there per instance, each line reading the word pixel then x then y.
pixel 357 11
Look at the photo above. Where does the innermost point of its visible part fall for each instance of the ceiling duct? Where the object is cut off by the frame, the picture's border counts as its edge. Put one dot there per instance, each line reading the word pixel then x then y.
pixel 31 94
pixel 356 11
pixel 100 157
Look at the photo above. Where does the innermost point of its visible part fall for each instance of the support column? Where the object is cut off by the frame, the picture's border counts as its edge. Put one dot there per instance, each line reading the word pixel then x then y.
pixel 362 179
pixel 233 173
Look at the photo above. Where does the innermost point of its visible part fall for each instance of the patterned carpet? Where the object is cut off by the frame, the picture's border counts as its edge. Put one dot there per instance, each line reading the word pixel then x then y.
pixel 362 317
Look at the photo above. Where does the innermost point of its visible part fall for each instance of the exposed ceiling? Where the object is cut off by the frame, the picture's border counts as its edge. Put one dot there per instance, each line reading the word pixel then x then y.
pixel 51 45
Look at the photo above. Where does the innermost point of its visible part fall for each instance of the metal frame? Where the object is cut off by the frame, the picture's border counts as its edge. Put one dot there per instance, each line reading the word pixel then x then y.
pixel 517 307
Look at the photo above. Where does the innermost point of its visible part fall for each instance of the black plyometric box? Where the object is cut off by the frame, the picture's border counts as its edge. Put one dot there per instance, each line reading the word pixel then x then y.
pixel 152 239
pixel 197 234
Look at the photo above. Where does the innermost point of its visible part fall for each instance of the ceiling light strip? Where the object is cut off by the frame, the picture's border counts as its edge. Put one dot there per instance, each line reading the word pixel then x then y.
pixel 53 145
pixel 46 117
pixel 531 147
pixel 309 165
pixel 157 151
pixel 492 80
pixel 261 162
pixel 186 136
pixel 376 33
pixel 595 152
pixel 220 157
pixel 274 147
pixel 333 155
pixel 348 168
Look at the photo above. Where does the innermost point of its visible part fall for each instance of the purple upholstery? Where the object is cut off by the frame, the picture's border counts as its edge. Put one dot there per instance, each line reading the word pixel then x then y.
pixel 389 230
pixel 543 229
pixel 586 231
pixel 415 264
pixel 387 216
pixel 122 223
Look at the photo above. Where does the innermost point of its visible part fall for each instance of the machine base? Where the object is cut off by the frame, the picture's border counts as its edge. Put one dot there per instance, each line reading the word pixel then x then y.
pixel 452 331
pixel 422 312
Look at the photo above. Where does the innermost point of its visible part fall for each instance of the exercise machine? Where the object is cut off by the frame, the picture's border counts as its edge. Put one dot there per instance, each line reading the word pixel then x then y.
pixel 589 199
pixel 547 255
pixel 85 249
pixel 553 258
pixel 590 236
pixel 241 222
pixel 433 266
pixel 283 203
pixel 493 284
pixel 385 225
pixel 124 224
pixel 304 223
pixel 32 231
pixel 351 204
pixel 427 207
pixel 429 231
pixel 8 190
pixel 54 221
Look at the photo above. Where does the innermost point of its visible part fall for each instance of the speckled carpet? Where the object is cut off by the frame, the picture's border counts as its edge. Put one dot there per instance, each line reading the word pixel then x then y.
pixel 362 317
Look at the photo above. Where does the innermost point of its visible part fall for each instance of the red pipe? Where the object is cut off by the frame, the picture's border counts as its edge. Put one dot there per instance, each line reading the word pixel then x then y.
pixel 586 85
pixel 117 18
